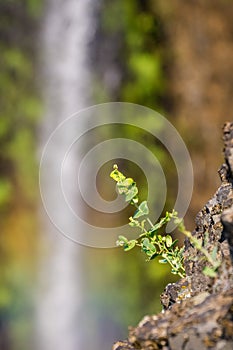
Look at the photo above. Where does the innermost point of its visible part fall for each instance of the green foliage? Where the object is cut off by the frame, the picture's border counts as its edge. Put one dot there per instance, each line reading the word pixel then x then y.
pixel 19 100
pixel 144 56
pixel 150 241
pixel 20 109
pixel 140 60
pixel 5 192
pixel 137 30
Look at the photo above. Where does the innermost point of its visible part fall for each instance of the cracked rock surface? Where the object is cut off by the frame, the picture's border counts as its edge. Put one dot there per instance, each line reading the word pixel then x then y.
pixel 198 310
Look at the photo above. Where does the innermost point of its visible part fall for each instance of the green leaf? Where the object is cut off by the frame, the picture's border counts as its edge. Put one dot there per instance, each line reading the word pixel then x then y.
pixel 145 242
pixel 142 210
pixel 173 243
pixel 129 188
pixel 168 241
pixel 163 261
pixel 209 271
pixel 116 174
pixel 121 189
pixel 130 245
pixel 122 240
pixel 160 224
pixel 152 248
pixel 132 192
pixel 153 256
pixel 143 207
pixel 134 223
pixel 134 200
pixel 127 182
pixel 148 247
pixel 142 225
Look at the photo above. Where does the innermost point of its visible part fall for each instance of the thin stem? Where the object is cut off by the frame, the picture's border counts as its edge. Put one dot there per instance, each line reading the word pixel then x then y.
pixel 175 268
pixel 168 259
pixel 199 247
pixel 145 231
pixel 148 220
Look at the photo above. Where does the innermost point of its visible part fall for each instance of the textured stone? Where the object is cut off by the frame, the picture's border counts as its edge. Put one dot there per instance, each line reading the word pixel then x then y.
pixel 198 310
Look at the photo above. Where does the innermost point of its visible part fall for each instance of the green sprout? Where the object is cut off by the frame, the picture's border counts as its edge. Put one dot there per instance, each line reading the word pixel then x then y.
pixel 150 240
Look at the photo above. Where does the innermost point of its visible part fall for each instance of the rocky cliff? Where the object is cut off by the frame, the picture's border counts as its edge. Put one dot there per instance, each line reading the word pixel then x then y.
pixel 198 310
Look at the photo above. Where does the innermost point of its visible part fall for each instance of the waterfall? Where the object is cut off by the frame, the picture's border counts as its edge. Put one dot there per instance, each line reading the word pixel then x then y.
pixel 67 31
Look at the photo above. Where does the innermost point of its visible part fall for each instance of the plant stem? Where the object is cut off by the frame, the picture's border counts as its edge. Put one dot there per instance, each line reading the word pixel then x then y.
pixel 182 275
pixel 175 268
pixel 200 247
pixel 148 220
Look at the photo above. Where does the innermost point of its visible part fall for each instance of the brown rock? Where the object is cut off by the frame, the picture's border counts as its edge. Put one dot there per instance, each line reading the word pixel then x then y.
pixel 198 310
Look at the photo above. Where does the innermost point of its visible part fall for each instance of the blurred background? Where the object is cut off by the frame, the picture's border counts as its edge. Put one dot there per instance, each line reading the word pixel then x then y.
pixel 58 56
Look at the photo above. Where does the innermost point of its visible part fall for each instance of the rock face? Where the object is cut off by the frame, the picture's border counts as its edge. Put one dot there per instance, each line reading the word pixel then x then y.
pixel 198 310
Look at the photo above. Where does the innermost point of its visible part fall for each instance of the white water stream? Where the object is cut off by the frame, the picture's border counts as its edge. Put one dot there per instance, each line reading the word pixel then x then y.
pixel 67 30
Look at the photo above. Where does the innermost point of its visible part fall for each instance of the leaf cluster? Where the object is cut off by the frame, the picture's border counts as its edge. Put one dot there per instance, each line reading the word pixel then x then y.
pixel 150 241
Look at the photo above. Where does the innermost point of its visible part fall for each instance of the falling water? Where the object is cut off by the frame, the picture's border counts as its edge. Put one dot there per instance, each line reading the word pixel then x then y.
pixel 67 31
